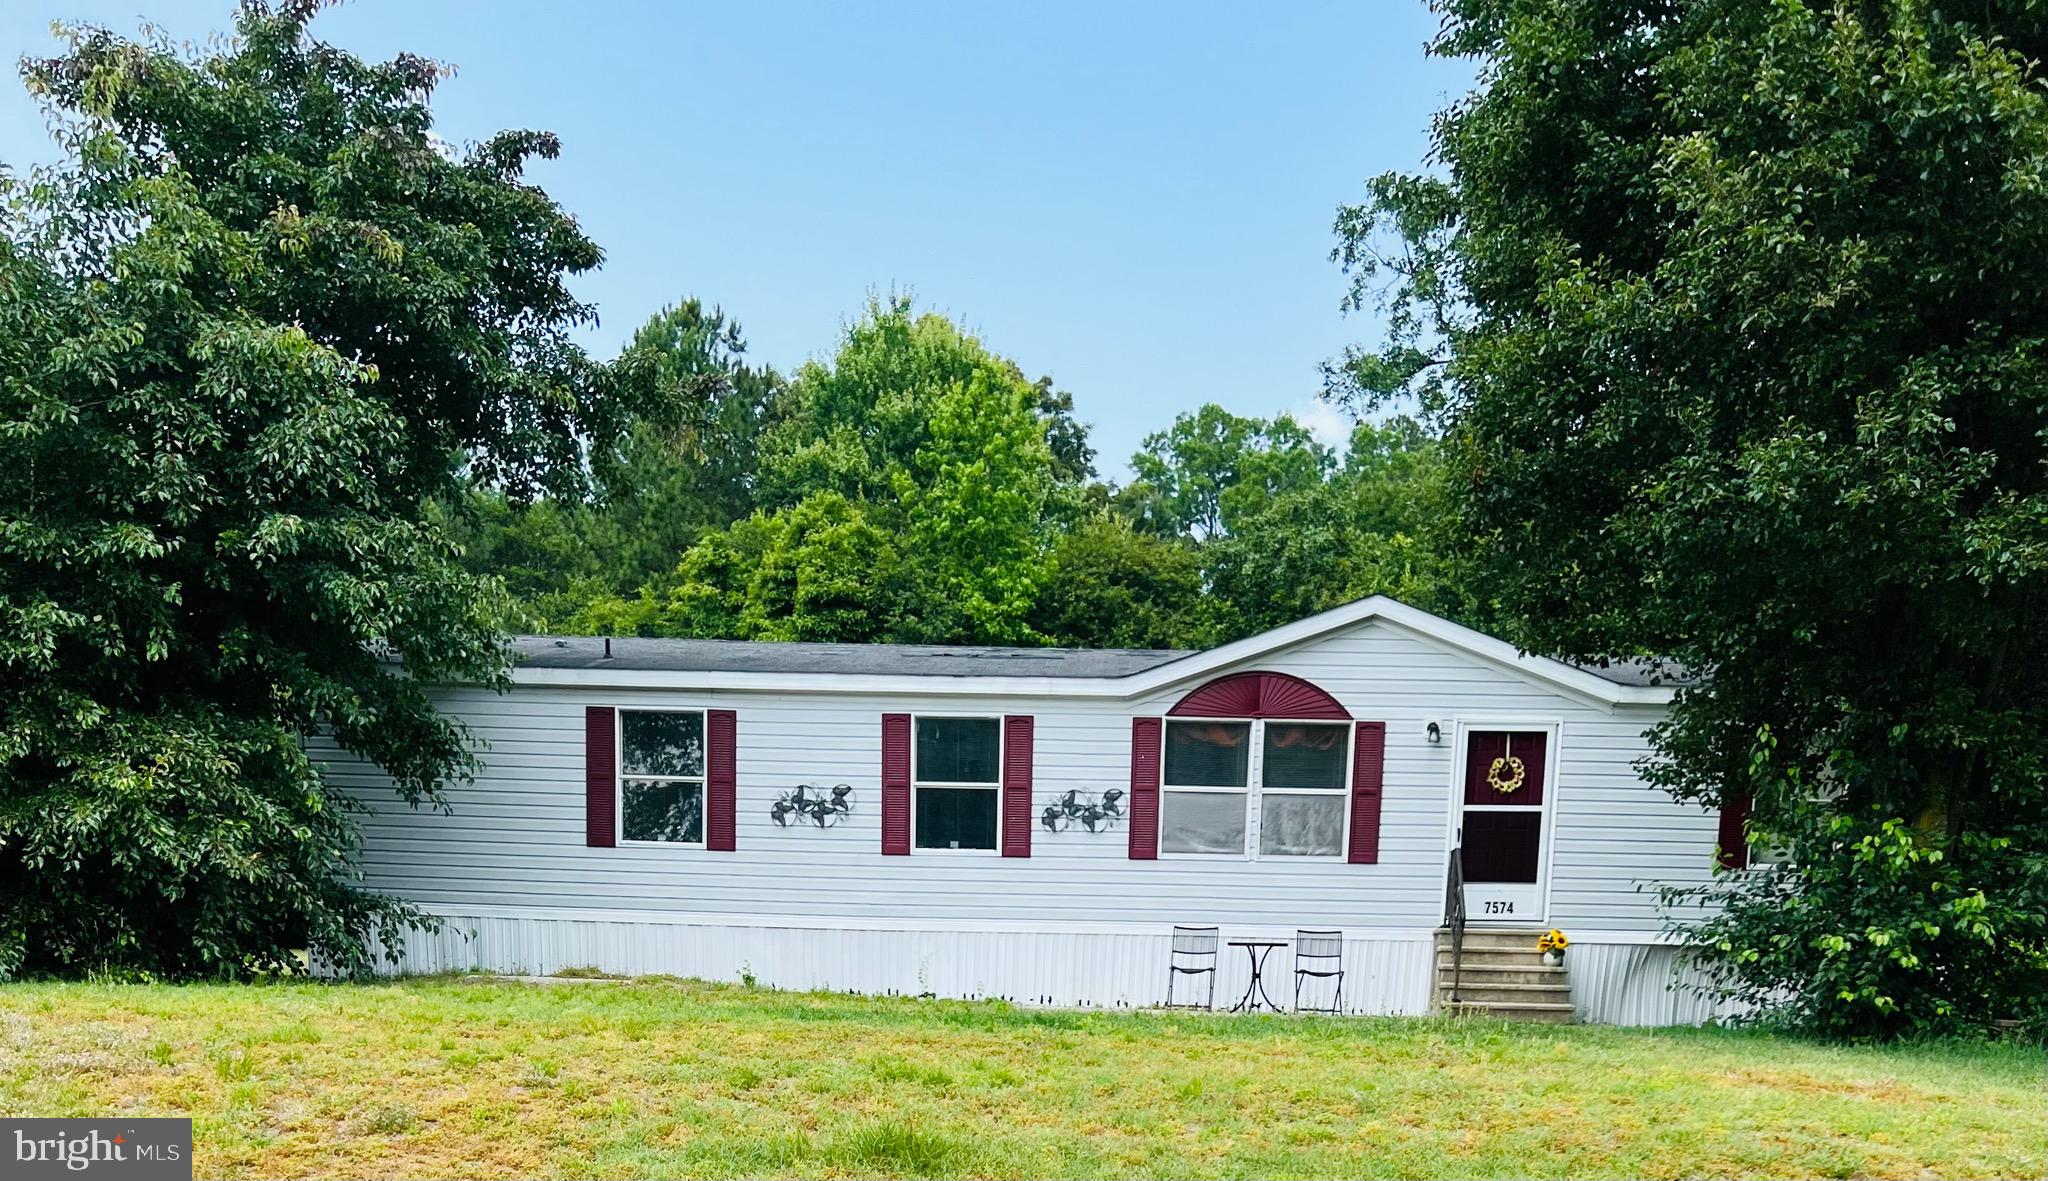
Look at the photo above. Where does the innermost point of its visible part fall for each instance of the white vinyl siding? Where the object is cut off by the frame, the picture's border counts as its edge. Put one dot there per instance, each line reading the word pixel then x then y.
pixel 515 835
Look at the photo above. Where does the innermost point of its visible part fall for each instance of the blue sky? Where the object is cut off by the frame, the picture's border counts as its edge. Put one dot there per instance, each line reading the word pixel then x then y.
pixel 1134 198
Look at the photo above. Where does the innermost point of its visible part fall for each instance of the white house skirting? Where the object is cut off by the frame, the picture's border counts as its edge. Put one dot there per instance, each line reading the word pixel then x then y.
pixel 1639 984
pixel 1386 972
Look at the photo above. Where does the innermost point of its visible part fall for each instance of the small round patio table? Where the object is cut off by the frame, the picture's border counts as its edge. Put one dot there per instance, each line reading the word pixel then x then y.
pixel 1256 950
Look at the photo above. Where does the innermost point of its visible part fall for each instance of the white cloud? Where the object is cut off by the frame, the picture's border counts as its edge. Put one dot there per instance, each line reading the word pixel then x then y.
pixel 1328 424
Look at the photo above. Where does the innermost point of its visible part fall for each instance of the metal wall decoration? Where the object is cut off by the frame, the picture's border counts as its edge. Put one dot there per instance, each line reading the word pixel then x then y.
pixel 813 807
pixel 1085 810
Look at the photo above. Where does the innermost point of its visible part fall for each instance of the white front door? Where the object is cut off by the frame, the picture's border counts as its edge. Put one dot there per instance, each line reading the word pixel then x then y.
pixel 1500 811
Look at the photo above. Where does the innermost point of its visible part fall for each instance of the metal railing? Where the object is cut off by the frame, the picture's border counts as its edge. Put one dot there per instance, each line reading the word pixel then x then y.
pixel 1454 916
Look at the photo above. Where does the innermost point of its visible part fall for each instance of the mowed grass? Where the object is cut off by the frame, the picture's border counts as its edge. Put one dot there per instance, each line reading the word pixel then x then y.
pixel 483 1078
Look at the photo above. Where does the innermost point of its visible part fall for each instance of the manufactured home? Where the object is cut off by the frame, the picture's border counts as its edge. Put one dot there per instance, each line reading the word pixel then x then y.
pixel 1033 824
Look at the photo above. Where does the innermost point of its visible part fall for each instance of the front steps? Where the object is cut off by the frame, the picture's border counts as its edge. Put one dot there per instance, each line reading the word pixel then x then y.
pixel 1503 976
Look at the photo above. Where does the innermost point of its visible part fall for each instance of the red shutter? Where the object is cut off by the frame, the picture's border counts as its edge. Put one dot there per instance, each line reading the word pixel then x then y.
pixel 1733 841
pixel 1017 786
pixel 1368 778
pixel 896 784
pixel 1145 788
pixel 721 780
pixel 600 777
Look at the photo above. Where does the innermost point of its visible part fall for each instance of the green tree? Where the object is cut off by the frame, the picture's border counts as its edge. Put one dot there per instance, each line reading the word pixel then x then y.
pixel 826 573
pixel 692 472
pixel 852 425
pixel 975 499
pixel 909 493
pixel 818 571
pixel 1109 585
pixel 672 480
pixel 1066 438
pixel 1369 528
pixel 255 323
pixel 535 549
pixel 1734 315
pixel 1185 472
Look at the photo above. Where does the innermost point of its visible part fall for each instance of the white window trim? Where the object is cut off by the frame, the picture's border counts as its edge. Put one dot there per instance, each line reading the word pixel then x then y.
pixel 1255 790
pixel 1002 744
pixel 620 776
pixel 1766 858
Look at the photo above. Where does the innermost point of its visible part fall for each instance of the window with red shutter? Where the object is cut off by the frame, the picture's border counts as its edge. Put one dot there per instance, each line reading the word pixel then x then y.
pixel 1255 765
pixel 957 778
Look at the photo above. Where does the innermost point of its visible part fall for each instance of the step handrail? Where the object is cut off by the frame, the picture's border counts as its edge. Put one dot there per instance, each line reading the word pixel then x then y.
pixel 1454 915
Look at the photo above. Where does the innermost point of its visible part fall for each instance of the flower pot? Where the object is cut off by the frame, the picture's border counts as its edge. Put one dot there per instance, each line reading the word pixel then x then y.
pixel 1554 958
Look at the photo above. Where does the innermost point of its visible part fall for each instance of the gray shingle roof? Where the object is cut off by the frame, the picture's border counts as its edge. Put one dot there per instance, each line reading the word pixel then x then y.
pixel 1640 672
pixel 632 653
pixel 934 660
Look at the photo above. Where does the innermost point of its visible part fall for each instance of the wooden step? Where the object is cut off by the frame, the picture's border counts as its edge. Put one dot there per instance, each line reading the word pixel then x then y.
pixel 1541 974
pixel 1496 959
pixel 1477 940
pixel 1549 1013
pixel 1509 994
pixel 1503 959
pixel 1501 975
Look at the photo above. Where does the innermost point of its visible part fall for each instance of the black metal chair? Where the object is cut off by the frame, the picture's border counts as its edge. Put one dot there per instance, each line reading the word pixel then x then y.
pixel 1194 952
pixel 1319 954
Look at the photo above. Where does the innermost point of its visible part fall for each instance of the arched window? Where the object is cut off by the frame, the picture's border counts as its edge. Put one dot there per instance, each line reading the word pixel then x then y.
pixel 1256 765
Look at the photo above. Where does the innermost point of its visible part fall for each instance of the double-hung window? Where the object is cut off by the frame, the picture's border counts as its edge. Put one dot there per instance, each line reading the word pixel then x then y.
pixel 1260 788
pixel 1207 787
pixel 661 776
pixel 1303 804
pixel 956 779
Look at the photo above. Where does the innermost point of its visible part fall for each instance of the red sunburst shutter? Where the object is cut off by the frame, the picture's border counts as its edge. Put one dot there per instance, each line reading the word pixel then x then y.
pixel 896 784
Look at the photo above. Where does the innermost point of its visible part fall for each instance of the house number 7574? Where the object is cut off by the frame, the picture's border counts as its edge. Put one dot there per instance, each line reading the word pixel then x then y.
pixel 1500 907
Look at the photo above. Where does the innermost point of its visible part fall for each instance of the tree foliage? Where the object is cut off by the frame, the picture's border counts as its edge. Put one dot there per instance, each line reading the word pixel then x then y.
pixel 859 423
pixel 1187 471
pixel 673 478
pixel 908 493
pixel 1108 584
pixel 696 469
pixel 253 325
pixel 1288 549
pixel 1733 315
pixel 818 571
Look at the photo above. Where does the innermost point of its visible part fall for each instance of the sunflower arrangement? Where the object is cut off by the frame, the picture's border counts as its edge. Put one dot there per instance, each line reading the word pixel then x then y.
pixel 1552 943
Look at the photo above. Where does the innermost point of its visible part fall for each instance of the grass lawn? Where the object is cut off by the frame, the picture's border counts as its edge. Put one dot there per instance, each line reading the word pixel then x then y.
pixel 472 1077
